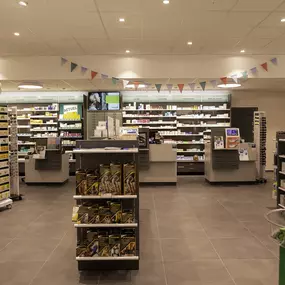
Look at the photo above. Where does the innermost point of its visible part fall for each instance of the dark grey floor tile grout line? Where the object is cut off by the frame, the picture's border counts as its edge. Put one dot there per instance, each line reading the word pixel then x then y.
pixel 245 227
pixel 160 245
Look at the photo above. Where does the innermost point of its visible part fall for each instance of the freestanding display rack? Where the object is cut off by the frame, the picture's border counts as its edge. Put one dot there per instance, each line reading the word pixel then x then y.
pixel 5 201
pixel 260 140
pixel 280 171
pixel 107 222
pixel 14 166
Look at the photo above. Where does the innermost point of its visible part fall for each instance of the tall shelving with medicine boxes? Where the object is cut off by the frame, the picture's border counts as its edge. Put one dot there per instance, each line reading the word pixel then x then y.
pixel 280 171
pixel 107 213
pixel 184 121
pixel 4 158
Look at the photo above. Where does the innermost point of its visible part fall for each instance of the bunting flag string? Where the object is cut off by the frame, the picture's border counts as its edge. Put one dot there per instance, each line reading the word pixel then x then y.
pixel 73 66
pixel 180 86
pixel 264 66
pixel 93 74
pixel 203 85
pixel 63 61
pixel 83 69
pixel 158 86
pixel 169 87
pixel 192 86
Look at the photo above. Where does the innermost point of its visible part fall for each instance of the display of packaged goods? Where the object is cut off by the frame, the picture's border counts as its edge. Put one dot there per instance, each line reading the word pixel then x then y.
pixel 4 179
pixel 4 187
pixel 3 125
pixel 116 212
pixel 129 173
pixel 3 117
pixel 4 171
pixel 4 133
pixel 128 216
pixel 4 148
pixel 92 186
pixel 105 215
pixel 4 195
pixel 116 179
pixel 104 248
pixel 105 179
pixel 4 141
pixel 4 164
pixel 114 244
pixel 36 122
pixel 81 183
pixel 4 156
pixel 3 109
pixel 128 242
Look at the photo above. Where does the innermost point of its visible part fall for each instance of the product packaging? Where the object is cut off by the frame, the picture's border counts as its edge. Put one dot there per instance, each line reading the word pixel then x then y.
pixel 105 180
pixel 80 182
pixel 114 243
pixel 92 184
pixel 104 248
pixel 128 216
pixel 129 179
pixel 94 217
pixel 116 179
pixel 116 212
pixel 128 242
pixel 105 215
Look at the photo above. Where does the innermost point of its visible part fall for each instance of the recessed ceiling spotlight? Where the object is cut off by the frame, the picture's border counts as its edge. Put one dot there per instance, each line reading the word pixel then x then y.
pixel 283 20
pixel 30 86
pixel 128 51
pixel 165 1
pixel 242 51
pixel 23 3
pixel 122 20
pixel 16 34
pixel 229 85
pixel 189 43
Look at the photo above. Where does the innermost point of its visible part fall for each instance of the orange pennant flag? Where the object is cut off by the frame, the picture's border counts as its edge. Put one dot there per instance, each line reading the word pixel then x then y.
pixel 180 86
pixel 93 74
pixel 136 85
pixel 264 66
pixel 224 80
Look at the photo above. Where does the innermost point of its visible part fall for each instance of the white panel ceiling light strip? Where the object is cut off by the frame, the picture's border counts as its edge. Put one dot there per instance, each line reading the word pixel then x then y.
pixel 42 97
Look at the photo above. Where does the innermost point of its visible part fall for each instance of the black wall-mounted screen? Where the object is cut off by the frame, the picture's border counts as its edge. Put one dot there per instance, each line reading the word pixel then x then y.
pixel 104 101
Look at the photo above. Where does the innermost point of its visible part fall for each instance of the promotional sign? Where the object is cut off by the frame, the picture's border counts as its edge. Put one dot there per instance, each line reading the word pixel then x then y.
pixel 70 111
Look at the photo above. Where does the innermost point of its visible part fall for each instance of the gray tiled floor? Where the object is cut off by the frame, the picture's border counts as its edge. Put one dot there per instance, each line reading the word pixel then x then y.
pixel 194 234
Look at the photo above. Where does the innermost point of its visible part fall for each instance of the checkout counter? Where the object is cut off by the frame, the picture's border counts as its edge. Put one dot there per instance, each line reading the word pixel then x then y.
pixel 227 160
pixel 157 162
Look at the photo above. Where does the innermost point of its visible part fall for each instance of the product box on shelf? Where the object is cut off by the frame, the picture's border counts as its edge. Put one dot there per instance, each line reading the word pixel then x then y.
pixel 128 242
pixel 81 182
pixel 116 179
pixel 104 248
pixel 92 184
pixel 105 179
pixel 129 179
pixel 116 212
pixel 114 243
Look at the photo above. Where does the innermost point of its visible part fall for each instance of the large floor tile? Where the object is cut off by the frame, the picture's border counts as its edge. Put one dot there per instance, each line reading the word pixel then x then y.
pixel 195 247
pixel 253 272
pixel 116 278
pixel 148 224
pixel 18 273
pixel 150 249
pixel 197 273
pixel 28 249
pixel 241 248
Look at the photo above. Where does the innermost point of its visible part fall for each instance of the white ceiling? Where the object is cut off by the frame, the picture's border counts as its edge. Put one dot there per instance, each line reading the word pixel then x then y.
pixel 268 84
pixel 91 27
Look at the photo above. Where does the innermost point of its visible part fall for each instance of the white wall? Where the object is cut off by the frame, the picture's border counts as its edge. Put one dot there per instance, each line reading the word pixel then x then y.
pixel 273 103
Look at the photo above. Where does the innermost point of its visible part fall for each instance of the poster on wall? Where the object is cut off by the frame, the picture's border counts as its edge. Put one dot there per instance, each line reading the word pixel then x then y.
pixel 70 112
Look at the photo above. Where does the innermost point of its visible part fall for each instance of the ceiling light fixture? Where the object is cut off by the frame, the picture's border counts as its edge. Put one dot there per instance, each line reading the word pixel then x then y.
pixel 128 51
pixel 16 34
pixel 122 20
pixel 229 85
pixel 165 1
pixel 242 51
pixel 23 3
pixel 30 86
pixel 133 86
pixel 189 43
pixel 283 20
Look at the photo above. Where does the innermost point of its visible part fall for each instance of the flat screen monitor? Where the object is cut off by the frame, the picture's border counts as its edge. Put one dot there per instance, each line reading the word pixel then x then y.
pixel 104 101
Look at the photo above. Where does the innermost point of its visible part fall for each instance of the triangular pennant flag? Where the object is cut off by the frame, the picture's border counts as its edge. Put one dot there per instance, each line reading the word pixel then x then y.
pixel 73 66
pixel 169 87
pixel 147 85
pixel 203 85
pixel 63 61
pixel 180 86
pixel 244 74
pixel 274 60
pixel 264 66
pixel 235 78
pixel 93 74
pixel 224 80
pixel 192 86
pixel 104 76
pixel 214 83
pixel 136 85
pixel 114 80
pixel 125 83
pixel 253 70
pixel 158 87
pixel 83 69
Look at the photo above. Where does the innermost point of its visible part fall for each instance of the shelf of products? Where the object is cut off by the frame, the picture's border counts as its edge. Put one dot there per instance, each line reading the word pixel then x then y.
pixel 280 169
pixel 106 216
pixel 192 122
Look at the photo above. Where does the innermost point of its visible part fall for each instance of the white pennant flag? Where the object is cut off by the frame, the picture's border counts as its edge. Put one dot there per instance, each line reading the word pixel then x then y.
pixel 125 83
pixel 235 78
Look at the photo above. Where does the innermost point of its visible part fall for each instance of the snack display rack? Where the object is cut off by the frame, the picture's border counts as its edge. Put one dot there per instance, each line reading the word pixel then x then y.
pixel 107 213
pixel 5 201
